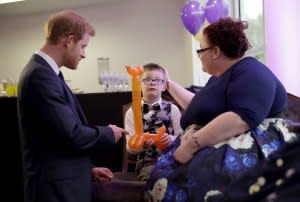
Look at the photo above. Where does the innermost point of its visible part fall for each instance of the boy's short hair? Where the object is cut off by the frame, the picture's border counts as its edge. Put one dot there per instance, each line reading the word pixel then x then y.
pixel 154 66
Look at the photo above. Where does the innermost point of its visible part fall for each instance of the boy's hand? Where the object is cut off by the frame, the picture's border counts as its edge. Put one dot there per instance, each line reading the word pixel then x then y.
pixel 165 139
pixel 148 144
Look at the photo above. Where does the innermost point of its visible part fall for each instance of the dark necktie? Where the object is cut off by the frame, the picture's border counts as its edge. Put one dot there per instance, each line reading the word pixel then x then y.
pixel 147 108
pixel 60 75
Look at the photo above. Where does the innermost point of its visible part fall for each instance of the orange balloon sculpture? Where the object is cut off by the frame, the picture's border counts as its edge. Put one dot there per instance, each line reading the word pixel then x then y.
pixel 137 141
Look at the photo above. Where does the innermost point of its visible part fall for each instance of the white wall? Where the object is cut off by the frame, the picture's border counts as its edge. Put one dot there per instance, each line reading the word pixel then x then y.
pixel 282 30
pixel 130 32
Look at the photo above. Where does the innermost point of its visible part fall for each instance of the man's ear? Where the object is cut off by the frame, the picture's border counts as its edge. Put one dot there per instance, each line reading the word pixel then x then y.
pixel 68 40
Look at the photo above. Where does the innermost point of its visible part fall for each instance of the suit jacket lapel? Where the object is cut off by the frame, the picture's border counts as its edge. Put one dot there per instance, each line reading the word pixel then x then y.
pixel 79 110
pixel 71 98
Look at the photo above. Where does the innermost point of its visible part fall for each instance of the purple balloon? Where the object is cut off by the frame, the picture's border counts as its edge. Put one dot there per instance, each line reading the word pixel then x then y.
pixel 192 16
pixel 216 9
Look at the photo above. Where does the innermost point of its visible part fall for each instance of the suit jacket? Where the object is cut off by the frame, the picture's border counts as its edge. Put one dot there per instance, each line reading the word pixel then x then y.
pixel 55 137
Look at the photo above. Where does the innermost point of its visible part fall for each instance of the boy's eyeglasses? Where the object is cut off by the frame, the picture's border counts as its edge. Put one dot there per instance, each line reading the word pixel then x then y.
pixel 149 81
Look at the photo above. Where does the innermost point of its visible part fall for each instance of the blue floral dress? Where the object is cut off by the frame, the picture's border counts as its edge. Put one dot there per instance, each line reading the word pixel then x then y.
pixel 213 168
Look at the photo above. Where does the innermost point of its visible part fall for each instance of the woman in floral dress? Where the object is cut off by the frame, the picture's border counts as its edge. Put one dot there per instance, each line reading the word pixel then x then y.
pixel 231 125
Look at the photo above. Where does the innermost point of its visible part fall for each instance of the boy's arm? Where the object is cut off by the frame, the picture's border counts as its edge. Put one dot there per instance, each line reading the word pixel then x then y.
pixel 129 126
pixel 175 116
pixel 128 122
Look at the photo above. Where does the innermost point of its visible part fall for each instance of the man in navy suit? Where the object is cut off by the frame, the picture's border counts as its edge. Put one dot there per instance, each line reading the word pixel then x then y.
pixel 55 137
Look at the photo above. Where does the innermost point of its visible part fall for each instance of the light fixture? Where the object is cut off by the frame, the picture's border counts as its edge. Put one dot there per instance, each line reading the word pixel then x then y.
pixel 8 1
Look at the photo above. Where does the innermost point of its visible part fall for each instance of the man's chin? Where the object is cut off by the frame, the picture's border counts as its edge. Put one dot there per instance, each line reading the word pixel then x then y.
pixel 73 67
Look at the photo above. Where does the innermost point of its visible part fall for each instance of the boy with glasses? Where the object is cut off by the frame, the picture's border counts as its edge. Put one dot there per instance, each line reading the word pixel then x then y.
pixel 156 112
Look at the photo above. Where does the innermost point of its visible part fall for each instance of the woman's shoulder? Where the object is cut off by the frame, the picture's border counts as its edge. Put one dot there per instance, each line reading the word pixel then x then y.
pixel 249 65
pixel 247 61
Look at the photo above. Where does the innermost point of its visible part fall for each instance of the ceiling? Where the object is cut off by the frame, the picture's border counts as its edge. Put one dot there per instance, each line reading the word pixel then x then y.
pixel 35 6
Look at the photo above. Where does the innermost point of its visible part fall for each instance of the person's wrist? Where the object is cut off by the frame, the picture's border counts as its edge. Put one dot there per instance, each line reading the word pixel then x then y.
pixel 190 146
pixel 196 142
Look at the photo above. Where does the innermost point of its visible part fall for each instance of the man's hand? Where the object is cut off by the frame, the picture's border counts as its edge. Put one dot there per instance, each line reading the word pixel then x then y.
pixel 102 174
pixel 118 132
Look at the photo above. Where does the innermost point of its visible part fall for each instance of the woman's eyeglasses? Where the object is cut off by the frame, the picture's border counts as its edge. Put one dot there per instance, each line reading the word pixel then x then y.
pixel 149 81
pixel 203 50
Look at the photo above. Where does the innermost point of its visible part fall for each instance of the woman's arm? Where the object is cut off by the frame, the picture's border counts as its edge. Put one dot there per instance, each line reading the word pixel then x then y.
pixel 182 96
pixel 175 116
pixel 224 126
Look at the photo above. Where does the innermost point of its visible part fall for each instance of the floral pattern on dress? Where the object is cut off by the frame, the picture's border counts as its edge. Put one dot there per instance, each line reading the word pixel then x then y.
pixel 213 168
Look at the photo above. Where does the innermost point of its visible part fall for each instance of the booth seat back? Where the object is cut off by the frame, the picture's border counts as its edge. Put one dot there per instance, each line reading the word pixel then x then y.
pixel 292 111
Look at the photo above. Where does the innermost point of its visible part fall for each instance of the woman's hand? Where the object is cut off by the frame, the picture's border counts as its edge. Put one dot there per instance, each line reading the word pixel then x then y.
pixel 102 174
pixel 187 147
pixel 185 151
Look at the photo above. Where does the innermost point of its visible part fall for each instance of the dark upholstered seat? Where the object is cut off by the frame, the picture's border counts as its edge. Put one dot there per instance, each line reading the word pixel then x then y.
pixel 123 188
